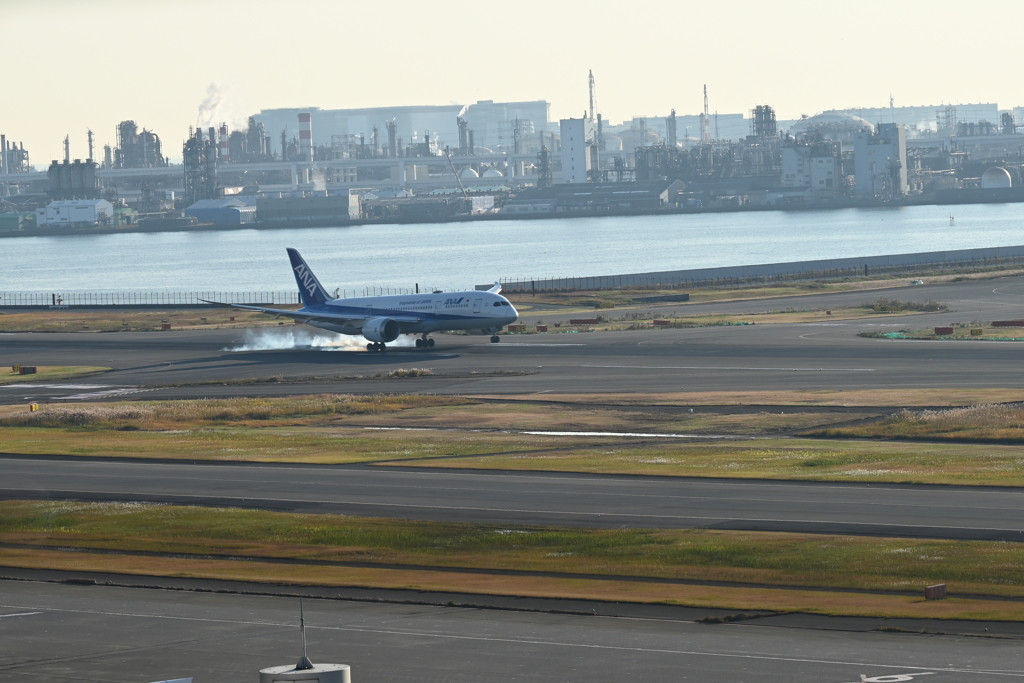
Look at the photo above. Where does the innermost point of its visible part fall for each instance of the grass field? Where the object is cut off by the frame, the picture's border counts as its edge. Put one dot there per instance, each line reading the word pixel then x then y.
pixel 466 433
pixel 789 459
pixel 47 373
pixel 770 570
pixel 133 320
pixel 980 423
pixel 931 397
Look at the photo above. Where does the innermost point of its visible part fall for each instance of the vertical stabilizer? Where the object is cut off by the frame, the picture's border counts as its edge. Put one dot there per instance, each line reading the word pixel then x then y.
pixel 310 290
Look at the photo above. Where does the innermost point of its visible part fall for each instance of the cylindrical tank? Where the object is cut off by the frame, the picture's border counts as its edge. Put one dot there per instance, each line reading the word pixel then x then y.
pixel 323 673
pixel 996 178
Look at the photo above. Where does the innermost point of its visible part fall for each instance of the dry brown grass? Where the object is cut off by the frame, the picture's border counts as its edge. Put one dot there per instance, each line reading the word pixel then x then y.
pixel 988 423
pixel 856 397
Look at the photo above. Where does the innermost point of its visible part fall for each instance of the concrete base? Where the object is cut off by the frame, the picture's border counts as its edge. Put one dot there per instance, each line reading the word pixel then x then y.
pixel 322 673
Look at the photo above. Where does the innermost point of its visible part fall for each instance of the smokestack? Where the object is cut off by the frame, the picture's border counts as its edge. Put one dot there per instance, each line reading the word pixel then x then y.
pixel 3 155
pixel 225 152
pixel 306 135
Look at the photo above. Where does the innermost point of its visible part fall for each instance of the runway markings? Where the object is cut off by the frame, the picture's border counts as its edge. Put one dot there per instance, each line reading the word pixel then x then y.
pixel 726 367
pixel 19 614
pixel 918 671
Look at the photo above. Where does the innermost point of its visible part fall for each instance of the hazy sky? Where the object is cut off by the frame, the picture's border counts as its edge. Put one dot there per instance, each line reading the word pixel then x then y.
pixel 77 64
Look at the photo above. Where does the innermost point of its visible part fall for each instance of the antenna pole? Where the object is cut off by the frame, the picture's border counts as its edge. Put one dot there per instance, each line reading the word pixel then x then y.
pixel 304 663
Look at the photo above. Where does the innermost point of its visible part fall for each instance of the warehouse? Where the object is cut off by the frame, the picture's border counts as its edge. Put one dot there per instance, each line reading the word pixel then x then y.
pixel 222 212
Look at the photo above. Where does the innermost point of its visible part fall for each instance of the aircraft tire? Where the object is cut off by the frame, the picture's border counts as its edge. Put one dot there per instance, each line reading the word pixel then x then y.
pixel 495 339
pixel 430 343
pixel 370 347
pixel 419 343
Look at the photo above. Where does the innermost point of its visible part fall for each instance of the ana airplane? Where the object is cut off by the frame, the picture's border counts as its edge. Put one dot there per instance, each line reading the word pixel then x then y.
pixel 381 319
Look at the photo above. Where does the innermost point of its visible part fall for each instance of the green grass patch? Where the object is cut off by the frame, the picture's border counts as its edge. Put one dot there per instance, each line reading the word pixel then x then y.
pixel 45 373
pixel 789 459
pixel 780 559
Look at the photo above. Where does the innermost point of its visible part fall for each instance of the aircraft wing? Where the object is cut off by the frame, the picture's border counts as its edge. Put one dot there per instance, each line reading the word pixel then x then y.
pixel 319 316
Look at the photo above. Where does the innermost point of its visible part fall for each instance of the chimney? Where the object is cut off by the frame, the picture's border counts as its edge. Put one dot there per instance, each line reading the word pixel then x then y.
pixel 225 152
pixel 306 136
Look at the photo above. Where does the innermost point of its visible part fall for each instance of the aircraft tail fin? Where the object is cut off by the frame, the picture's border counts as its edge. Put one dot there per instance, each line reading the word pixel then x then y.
pixel 310 290
pixel 496 289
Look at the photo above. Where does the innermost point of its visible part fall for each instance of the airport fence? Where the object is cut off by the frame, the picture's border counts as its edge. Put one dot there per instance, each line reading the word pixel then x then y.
pixel 61 299
pixel 776 272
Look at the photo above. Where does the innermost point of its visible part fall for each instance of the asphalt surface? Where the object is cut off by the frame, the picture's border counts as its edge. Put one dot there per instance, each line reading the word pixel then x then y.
pixel 55 632
pixel 793 356
pixel 563 499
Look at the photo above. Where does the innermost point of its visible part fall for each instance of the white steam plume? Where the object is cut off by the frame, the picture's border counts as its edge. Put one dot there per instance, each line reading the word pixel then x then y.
pixel 281 340
pixel 213 110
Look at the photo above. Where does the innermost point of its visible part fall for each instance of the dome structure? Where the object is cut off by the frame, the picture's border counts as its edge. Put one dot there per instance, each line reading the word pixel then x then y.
pixel 468 173
pixel 996 178
pixel 493 173
pixel 832 125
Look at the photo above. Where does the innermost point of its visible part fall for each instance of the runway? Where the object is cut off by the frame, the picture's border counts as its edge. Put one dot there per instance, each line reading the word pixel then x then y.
pixel 70 633
pixel 560 499
pixel 773 356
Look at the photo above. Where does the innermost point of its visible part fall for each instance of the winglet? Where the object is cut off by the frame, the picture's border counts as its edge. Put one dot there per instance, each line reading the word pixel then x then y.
pixel 496 289
pixel 310 290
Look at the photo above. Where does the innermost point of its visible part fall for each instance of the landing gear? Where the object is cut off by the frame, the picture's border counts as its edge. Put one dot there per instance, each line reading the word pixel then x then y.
pixel 495 339
pixel 376 346
pixel 424 343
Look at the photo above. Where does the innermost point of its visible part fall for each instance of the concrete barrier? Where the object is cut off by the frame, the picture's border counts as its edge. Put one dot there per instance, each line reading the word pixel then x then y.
pixel 936 592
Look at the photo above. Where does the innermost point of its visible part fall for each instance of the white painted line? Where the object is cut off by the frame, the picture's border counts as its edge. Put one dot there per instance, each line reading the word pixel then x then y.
pixel 724 367
pixel 101 394
pixel 640 434
pixel 19 614
pixel 551 643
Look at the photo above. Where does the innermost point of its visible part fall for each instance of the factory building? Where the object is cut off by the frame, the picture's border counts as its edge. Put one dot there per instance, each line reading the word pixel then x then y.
pixel 75 212
pixel 880 162
pixel 576 137
pixel 494 123
pixel 817 166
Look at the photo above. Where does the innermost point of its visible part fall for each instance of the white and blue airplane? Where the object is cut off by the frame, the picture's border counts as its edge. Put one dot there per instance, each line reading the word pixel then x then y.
pixel 381 319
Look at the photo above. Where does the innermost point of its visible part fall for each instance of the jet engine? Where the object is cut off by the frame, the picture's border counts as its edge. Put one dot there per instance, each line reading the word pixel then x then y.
pixel 382 330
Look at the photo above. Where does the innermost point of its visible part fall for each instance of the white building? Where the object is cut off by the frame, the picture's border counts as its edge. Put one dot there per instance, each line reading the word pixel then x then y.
pixel 880 162
pixel 75 212
pixel 576 134
pixel 816 166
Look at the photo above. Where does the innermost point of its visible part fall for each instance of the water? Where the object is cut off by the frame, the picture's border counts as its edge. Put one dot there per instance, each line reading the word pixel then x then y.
pixel 460 255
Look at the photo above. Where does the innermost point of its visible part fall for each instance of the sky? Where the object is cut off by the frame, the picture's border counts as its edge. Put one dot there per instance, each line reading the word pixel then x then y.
pixel 71 65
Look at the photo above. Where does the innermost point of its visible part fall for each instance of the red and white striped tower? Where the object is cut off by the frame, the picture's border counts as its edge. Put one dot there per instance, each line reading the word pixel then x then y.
pixel 225 151
pixel 306 136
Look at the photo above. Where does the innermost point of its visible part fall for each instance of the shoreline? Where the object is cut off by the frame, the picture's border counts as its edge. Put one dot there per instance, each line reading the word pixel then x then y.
pixel 336 223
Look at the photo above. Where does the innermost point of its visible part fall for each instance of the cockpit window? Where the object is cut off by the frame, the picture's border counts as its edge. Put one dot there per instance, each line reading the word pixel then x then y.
pixel 497 303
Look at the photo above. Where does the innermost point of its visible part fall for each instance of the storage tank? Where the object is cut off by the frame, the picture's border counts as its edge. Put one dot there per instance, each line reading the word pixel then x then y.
pixel 996 178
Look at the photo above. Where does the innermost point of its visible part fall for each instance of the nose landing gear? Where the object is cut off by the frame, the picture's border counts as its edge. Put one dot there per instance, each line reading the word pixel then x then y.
pixel 424 343
pixel 495 339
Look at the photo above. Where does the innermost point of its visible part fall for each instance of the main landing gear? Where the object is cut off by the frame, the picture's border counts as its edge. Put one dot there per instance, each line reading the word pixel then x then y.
pixel 495 339
pixel 376 346
pixel 424 343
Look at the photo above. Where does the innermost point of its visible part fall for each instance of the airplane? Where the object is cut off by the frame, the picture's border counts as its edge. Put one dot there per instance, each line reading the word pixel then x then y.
pixel 381 319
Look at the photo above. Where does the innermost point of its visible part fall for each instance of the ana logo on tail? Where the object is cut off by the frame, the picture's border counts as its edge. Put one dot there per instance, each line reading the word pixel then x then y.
pixel 306 277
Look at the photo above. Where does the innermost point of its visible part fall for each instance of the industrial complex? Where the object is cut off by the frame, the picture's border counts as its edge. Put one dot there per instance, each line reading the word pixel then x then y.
pixel 312 166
